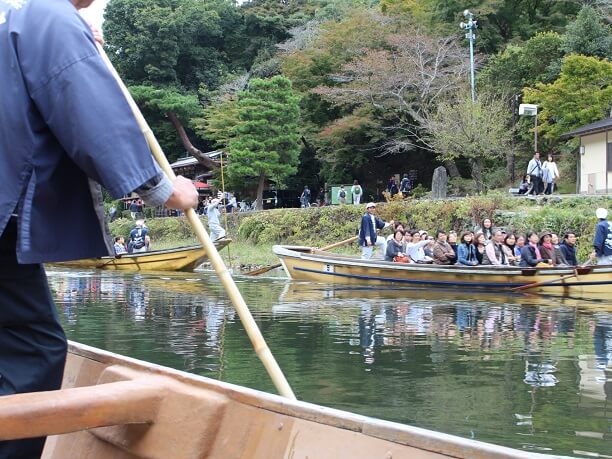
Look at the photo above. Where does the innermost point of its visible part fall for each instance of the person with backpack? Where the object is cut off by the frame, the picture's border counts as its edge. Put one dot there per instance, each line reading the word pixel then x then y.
pixel 305 197
pixel 356 191
pixel 138 237
pixel 342 195
pixel 405 185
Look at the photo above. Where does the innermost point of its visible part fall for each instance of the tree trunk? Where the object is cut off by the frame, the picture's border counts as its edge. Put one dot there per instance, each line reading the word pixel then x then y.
pixel 477 173
pixel 451 167
pixel 193 151
pixel 260 190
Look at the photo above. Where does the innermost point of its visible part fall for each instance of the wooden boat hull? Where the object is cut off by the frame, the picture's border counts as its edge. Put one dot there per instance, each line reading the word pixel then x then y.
pixel 178 259
pixel 189 416
pixel 303 263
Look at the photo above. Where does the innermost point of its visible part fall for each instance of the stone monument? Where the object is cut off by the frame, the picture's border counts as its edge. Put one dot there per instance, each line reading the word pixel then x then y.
pixel 439 183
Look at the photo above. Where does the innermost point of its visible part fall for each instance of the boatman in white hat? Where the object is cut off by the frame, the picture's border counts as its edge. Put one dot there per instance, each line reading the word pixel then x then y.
pixel 64 125
pixel 367 232
pixel 602 242
pixel 214 216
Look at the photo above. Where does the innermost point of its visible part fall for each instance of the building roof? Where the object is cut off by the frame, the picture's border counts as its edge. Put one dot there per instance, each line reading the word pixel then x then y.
pixel 593 128
pixel 191 161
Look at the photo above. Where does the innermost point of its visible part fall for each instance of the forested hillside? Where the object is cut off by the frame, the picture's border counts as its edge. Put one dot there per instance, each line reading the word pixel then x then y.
pixel 327 91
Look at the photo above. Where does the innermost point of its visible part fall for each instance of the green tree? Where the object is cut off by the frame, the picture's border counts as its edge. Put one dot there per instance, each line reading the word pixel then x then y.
pixel 582 94
pixel 536 61
pixel 265 141
pixel 476 131
pixel 588 35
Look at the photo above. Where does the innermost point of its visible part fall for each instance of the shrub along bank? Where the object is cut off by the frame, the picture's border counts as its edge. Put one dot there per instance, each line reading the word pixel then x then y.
pixel 326 225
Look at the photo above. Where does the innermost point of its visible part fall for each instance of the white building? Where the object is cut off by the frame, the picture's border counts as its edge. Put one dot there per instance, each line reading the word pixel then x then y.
pixel 595 157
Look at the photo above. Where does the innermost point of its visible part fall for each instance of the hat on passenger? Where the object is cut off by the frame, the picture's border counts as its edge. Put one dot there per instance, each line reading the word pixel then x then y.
pixel 370 204
pixel 601 213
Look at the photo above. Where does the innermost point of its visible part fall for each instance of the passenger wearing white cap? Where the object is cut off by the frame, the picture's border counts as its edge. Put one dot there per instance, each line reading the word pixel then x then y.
pixel 602 242
pixel 213 214
pixel 367 232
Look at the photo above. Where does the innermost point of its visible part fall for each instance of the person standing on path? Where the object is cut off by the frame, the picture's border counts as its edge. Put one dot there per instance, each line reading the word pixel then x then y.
pixel 305 197
pixel 367 232
pixel 602 242
pixel 550 173
pixel 534 170
pixel 64 126
pixel 214 220
pixel 342 195
pixel 357 192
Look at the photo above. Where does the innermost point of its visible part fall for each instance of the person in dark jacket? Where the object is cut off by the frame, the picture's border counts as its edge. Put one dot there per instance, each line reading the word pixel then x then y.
pixel 64 126
pixel 530 254
pixel 602 242
pixel 395 247
pixel 367 232
pixel 568 248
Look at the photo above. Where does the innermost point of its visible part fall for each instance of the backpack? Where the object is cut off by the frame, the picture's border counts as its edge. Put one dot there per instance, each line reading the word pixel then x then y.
pixel 357 190
pixel 343 194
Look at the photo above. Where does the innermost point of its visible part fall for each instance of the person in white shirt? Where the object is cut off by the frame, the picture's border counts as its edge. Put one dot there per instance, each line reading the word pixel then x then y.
pixel 213 214
pixel 550 174
pixel 415 249
pixel 356 191
pixel 534 170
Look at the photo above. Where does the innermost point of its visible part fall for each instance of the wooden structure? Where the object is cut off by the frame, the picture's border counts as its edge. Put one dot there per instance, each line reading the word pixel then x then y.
pixel 306 263
pixel 177 259
pixel 594 157
pixel 115 407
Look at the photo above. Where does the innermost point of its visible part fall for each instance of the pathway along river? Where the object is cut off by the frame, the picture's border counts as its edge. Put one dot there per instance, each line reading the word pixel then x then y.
pixel 523 371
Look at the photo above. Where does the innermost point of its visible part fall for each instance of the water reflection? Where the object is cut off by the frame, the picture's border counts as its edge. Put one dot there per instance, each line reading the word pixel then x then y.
pixel 525 371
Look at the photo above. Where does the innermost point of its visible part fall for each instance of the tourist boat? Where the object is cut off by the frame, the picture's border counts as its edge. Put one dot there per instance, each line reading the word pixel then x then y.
pixel 309 264
pixel 117 407
pixel 178 259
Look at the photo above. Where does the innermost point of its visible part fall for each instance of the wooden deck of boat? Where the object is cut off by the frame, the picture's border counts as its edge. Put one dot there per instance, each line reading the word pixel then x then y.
pixel 120 408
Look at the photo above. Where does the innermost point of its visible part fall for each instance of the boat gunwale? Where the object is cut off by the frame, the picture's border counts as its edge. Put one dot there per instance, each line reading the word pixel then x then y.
pixel 402 434
pixel 184 248
pixel 317 256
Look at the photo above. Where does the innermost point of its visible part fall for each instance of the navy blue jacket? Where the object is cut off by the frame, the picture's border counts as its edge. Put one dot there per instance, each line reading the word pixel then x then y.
pixel 602 242
pixel 569 253
pixel 529 257
pixel 366 229
pixel 64 128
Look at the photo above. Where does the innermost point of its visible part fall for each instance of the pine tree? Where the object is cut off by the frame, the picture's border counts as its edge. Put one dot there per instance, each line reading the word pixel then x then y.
pixel 265 145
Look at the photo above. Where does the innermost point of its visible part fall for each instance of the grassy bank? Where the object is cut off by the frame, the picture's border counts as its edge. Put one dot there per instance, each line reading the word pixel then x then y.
pixel 254 233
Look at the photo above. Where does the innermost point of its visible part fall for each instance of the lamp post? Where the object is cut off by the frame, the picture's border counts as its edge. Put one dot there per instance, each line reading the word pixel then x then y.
pixel 471 25
pixel 531 110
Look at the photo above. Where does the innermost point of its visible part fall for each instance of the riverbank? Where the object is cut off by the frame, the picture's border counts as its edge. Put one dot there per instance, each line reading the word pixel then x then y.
pixel 254 233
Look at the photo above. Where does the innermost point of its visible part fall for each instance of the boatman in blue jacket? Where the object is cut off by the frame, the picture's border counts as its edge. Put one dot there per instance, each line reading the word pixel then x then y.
pixel 368 239
pixel 64 125
pixel 602 242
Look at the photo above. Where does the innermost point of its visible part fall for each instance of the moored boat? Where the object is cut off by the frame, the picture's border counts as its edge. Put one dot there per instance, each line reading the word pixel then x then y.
pixel 308 264
pixel 178 259
pixel 114 406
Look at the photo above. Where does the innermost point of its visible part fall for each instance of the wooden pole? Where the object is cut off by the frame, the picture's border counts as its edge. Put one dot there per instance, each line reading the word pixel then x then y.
pixel 257 340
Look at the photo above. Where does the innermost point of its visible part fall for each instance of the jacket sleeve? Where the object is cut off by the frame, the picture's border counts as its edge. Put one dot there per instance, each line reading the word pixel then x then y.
pixel 490 251
pixel 598 240
pixel 527 258
pixel 82 104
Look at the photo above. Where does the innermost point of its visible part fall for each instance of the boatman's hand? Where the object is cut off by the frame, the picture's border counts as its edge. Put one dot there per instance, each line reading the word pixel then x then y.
pixel 184 194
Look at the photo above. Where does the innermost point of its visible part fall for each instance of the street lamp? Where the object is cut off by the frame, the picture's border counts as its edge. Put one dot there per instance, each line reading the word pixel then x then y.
pixel 471 25
pixel 531 110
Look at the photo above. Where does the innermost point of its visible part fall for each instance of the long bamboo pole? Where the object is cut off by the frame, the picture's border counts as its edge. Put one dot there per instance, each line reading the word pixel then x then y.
pixel 259 344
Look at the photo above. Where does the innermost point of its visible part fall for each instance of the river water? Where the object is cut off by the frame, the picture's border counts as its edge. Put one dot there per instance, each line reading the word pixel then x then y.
pixel 525 371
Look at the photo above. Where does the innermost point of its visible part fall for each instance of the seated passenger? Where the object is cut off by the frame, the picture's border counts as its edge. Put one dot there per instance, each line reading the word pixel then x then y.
pixel 415 249
pixel 530 254
pixel 524 185
pixel 443 253
pixel 520 243
pixel 568 248
pixel 397 226
pixel 508 248
pixel 494 253
pixel 546 248
pixel 120 246
pixel 466 251
pixel 480 242
pixel 561 261
pixel 395 247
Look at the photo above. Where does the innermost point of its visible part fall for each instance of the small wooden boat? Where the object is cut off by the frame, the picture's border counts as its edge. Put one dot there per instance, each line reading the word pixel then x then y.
pixel 306 263
pixel 116 407
pixel 177 259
